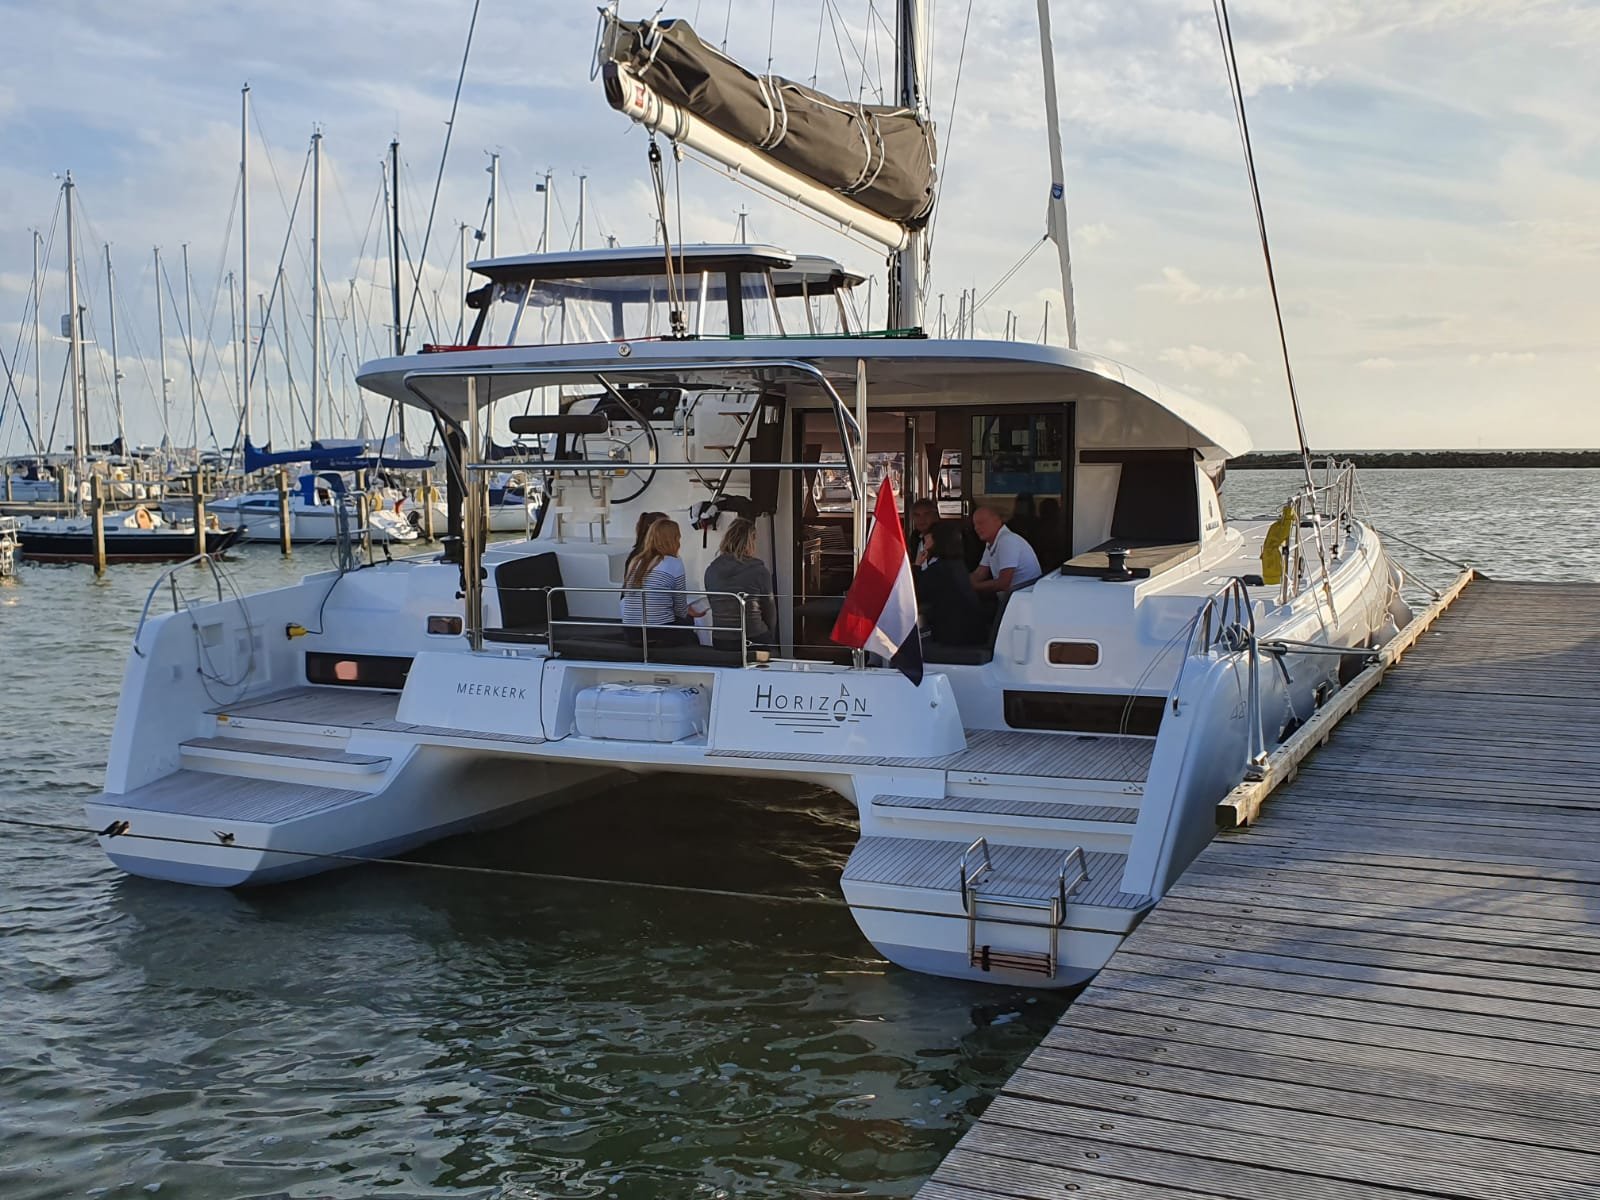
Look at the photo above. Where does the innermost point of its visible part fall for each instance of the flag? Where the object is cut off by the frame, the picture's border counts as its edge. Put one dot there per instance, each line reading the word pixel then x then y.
pixel 880 609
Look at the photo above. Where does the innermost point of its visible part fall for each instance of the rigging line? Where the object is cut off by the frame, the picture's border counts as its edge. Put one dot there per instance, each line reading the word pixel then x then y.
pixel 188 355
pixel 272 295
pixel 438 180
pixel 816 62
pixel 1236 88
pixel 727 19
pixel 1006 278
pixel 454 868
pixel 949 129
pixel 844 67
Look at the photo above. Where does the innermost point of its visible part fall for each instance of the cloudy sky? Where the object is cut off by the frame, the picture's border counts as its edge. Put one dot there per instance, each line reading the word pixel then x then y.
pixel 1431 173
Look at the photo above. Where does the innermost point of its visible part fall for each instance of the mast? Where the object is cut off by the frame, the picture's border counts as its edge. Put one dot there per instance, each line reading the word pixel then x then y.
pixel 283 344
pixel 38 367
pixel 188 345
pixel 583 201
pixel 80 419
pixel 494 204
pixel 316 281
pixel 394 264
pixel 1056 225
pixel 906 278
pixel 244 251
pixel 161 345
pixel 233 324
pixel 546 187
pixel 116 371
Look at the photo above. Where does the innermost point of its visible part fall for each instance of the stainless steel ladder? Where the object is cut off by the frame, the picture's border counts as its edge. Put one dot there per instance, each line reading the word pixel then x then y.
pixel 975 866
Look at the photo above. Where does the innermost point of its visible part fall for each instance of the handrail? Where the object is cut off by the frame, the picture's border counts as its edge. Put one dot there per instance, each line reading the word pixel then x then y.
pixel 1332 500
pixel 968 878
pixel 742 628
pixel 170 576
pixel 1063 890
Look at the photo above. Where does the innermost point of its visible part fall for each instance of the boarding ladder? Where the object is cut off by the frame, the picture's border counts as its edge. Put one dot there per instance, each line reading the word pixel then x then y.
pixel 984 888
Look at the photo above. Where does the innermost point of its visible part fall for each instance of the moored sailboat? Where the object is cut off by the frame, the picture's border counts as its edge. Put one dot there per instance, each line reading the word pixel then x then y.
pixel 1021 805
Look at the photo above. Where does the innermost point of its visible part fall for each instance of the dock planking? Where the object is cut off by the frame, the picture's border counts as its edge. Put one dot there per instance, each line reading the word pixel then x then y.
pixel 1388 986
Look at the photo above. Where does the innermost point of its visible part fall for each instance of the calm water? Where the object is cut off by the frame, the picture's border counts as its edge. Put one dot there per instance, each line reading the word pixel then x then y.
pixel 406 1032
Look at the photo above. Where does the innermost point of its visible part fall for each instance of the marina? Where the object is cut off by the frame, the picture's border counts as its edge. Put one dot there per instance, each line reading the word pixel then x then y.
pixel 1383 986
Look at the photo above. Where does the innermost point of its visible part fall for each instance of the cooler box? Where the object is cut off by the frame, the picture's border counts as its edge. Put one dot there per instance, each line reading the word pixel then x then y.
pixel 642 712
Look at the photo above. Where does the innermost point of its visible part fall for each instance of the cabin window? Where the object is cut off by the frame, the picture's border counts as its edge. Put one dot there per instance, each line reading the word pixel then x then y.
pixel 1074 654
pixel 357 670
pixel 1084 712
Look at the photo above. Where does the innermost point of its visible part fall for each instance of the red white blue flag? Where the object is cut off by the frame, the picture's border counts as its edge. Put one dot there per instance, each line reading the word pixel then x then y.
pixel 880 609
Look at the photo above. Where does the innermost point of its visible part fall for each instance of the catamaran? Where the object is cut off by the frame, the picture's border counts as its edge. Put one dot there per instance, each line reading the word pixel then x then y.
pixel 1020 808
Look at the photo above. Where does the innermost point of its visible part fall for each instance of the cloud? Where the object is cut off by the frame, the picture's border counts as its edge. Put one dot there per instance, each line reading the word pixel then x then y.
pixel 1097 233
pixel 1176 283
pixel 1225 364
pixel 1381 363
pixel 1502 358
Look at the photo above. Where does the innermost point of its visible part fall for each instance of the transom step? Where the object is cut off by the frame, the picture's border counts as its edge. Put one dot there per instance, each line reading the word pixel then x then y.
pixel 232 749
pixel 1001 806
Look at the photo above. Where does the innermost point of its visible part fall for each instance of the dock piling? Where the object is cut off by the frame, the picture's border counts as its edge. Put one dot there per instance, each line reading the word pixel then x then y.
pixel 197 484
pixel 285 533
pixel 97 515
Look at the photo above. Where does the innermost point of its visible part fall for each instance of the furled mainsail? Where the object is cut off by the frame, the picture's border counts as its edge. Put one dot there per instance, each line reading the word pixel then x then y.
pixel 881 157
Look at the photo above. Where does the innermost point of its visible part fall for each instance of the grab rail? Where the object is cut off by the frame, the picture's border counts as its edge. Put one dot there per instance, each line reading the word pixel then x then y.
pixel 968 878
pixel 1063 890
pixel 170 576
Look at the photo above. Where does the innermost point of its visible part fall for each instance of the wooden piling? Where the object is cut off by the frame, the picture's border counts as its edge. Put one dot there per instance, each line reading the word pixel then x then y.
pixel 285 518
pixel 97 514
pixel 197 484
pixel 425 495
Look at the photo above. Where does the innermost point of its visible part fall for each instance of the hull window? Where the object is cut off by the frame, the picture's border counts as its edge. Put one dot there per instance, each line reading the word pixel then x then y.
pixel 1084 712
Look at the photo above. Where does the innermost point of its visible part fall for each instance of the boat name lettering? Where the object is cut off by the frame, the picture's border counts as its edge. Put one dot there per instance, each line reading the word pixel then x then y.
pixel 496 691
pixel 773 702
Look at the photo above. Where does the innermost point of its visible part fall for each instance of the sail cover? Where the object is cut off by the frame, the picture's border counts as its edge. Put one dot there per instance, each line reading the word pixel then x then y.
pixel 880 156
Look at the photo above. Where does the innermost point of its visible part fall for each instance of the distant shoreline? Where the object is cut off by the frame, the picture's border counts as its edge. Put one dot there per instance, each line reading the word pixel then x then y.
pixel 1367 460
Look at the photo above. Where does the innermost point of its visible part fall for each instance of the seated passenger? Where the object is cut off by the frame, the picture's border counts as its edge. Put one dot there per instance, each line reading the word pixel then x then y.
pixel 655 592
pixel 1008 561
pixel 948 605
pixel 924 516
pixel 640 528
pixel 738 569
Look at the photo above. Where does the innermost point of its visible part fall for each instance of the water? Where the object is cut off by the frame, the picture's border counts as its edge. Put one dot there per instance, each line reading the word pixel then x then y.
pixel 406 1032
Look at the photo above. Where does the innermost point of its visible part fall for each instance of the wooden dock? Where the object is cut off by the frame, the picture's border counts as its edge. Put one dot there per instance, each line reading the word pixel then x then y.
pixel 1388 987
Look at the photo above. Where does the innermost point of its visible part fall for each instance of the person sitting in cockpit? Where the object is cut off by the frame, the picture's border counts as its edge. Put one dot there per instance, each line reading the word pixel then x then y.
pixel 656 591
pixel 738 569
pixel 949 608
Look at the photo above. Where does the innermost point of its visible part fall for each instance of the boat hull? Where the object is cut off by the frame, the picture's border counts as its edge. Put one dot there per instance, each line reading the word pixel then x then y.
pixel 130 547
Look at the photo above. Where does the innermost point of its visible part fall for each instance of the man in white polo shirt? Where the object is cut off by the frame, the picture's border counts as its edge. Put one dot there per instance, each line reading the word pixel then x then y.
pixel 1008 561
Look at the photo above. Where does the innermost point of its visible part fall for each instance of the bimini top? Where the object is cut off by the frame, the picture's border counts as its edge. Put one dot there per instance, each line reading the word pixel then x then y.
pixel 638 273
pixel 1117 406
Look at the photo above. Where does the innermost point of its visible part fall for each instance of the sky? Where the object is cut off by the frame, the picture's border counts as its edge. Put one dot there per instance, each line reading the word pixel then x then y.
pixel 1430 173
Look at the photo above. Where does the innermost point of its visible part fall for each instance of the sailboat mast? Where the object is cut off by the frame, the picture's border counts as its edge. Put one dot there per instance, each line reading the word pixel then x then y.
pixel 188 346
pixel 244 252
pixel 161 344
pixel 547 189
pixel 116 370
pixel 38 367
pixel 494 204
pixel 80 421
pixel 394 265
pixel 316 282
pixel 906 279
pixel 583 203
pixel 1057 221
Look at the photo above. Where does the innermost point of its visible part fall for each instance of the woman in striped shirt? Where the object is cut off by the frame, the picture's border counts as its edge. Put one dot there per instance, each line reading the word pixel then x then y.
pixel 655 591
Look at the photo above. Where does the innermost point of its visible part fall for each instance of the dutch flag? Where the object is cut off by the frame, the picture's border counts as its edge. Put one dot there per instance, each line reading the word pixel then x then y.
pixel 880 609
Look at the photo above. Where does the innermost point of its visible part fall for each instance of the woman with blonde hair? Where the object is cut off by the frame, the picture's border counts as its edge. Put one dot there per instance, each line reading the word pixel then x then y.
pixel 739 569
pixel 655 591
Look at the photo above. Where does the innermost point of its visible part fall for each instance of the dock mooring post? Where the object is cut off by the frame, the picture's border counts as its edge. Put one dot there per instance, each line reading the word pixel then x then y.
pixel 425 497
pixel 97 514
pixel 285 536
pixel 197 485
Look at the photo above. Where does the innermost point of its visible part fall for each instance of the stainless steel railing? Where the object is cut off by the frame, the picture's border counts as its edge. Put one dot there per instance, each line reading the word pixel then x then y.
pixel 1226 624
pixel 170 577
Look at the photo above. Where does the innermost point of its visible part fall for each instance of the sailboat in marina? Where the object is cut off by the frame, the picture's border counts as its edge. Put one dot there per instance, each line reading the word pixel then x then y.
pixel 138 534
pixel 1022 800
